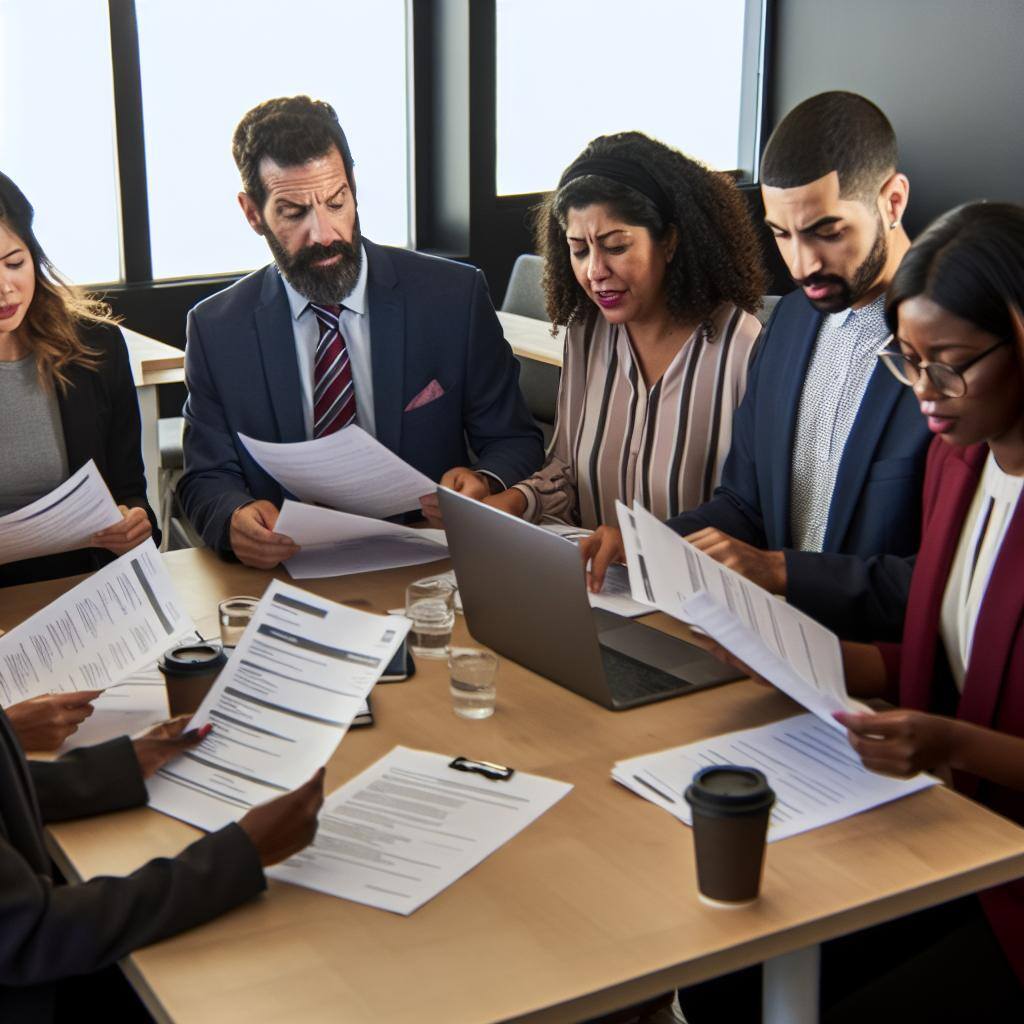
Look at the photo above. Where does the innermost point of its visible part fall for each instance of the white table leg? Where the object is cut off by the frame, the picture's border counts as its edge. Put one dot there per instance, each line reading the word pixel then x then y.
pixel 791 985
pixel 149 409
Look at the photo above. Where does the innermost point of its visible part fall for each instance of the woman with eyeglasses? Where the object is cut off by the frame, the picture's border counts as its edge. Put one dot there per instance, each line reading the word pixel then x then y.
pixel 954 308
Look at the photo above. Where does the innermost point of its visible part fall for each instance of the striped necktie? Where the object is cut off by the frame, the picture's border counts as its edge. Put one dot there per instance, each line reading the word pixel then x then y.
pixel 334 396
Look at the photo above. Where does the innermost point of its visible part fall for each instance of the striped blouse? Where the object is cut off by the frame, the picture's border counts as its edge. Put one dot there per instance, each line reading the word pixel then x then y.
pixel 615 438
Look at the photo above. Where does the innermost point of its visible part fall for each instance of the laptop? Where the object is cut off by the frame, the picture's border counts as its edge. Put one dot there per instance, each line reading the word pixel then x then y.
pixel 524 595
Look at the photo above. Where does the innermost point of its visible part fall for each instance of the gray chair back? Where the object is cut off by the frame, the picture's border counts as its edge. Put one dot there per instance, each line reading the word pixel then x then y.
pixel 538 381
pixel 524 294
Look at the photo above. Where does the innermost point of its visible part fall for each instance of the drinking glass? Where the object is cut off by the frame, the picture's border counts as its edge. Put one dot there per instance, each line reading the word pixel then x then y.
pixel 235 615
pixel 430 604
pixel 472 680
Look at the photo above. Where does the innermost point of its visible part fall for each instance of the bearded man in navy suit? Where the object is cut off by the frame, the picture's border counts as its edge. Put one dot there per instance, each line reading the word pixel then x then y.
pixel 337 330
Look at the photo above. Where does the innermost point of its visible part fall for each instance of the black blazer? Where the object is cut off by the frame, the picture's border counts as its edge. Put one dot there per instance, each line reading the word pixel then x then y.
pixel 99 413
pixel 48 931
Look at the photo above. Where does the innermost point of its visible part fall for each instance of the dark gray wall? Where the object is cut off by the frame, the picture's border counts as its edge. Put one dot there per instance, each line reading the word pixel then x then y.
pixel 948 73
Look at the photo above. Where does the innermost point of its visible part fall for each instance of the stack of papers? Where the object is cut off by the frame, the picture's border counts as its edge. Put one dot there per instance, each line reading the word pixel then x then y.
pixel 114 623
pixel 63 520
pixel 347 482
pixel 409 826
pixel 280 707
pixel 816 775
pixel 789 649
pixel 338 543
pixel 348 470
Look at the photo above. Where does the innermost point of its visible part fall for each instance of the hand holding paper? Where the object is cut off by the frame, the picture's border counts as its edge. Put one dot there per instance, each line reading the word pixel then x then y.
pixel 63 520
pixel 111 624
pixel 337 543
pixel 778 642
pixel 348 470
pixel 280 706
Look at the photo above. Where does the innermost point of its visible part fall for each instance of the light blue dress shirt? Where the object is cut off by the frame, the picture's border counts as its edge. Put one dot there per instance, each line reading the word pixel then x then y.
pixel 354 323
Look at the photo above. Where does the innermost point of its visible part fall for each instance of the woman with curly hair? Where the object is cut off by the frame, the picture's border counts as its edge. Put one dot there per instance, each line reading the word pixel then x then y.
pixel 66 396
pixel 653 267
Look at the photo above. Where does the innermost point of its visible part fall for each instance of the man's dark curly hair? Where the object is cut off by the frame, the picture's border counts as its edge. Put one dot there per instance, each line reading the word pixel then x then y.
pixel 290 130
pixel 718 258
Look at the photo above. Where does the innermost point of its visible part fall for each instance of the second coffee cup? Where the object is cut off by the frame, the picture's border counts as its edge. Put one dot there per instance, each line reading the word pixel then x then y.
pixel 730 807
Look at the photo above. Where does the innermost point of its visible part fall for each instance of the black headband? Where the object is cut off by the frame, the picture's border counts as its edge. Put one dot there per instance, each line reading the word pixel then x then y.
pixel 625 172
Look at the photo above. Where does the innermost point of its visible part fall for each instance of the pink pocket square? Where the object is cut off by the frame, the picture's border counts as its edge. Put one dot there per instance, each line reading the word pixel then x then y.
pixel 430 393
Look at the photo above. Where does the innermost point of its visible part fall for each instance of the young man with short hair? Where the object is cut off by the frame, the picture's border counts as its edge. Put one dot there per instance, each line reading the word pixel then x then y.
pixel 827 456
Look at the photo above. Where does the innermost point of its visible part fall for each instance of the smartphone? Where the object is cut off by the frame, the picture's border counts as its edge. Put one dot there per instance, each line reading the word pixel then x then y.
pixel 401 666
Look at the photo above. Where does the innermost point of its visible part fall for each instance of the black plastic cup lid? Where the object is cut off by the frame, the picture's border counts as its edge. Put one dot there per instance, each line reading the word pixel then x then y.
pixel 729 789
pixel 192 658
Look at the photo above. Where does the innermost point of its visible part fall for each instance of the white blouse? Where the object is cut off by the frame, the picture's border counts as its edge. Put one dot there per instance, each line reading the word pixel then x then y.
pixel 983 531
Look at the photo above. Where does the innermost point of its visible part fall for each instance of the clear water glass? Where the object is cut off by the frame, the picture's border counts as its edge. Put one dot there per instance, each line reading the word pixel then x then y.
pixel 472 676
pixel 430 605
pixel 235 614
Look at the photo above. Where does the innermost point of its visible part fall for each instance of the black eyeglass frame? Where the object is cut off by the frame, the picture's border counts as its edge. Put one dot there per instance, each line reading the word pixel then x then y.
pixel 894 358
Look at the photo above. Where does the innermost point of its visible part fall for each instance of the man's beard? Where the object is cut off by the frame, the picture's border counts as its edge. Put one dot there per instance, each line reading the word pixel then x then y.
pixel 853 290
pixel 326 286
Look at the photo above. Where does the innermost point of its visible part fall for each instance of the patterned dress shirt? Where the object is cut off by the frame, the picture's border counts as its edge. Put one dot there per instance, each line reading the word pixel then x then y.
pixel 842 363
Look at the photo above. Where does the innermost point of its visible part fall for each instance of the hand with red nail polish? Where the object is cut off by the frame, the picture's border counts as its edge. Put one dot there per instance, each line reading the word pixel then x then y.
pixel 165 742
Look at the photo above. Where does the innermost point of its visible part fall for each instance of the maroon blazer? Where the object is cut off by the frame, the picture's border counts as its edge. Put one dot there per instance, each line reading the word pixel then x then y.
pixel 993 692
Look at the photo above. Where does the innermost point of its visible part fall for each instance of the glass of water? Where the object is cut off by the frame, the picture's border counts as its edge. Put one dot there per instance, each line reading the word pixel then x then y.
pixel 235 615
pixel 430 604
pixel 472 676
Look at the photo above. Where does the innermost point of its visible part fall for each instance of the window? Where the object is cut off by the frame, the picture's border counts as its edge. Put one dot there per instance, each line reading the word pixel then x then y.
pixel 57 138
pixel 684 71
pixel 204 64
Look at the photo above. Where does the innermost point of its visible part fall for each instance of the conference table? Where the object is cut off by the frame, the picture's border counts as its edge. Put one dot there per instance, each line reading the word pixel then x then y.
pixel 591 908
pixel 532 339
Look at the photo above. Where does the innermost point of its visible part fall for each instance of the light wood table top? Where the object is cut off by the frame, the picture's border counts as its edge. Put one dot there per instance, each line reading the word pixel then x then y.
pixel 153 362
pixel 591 908
pixel 531 339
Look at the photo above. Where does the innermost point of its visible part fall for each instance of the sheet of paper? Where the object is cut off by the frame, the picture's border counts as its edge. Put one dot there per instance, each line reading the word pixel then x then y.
pixel 788 648
pixel 406 828
pixel 615 596
pixel 125 709
pixel 339 543
pixel 639 578
pixel 280 706
pixel 347 470
pixel 816 776
pixel 63 520
pixel 122 617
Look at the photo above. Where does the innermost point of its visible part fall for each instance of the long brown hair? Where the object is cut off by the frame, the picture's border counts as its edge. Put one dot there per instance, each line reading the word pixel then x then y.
pixel 58 311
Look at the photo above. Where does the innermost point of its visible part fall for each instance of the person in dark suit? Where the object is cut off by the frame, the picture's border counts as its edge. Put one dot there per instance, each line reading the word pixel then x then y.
pixel 828 451
pixel 337 331
pixel 66 396
pixel 954 307
pixel 52 933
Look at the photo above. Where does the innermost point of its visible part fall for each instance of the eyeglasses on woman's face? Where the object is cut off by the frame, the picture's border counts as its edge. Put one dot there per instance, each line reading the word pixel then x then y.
pixel 945 378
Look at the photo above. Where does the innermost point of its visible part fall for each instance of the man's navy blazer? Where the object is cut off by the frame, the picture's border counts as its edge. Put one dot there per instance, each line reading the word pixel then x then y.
pixel 876 502
pixel 430 320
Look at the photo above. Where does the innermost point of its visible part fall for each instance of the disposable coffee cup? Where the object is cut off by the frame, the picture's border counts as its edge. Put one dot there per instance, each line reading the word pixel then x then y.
pixel 189 671
pixel 730 807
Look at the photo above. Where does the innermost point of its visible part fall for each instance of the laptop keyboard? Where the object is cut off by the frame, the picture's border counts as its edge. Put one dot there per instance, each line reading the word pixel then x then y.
pixel 629 678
